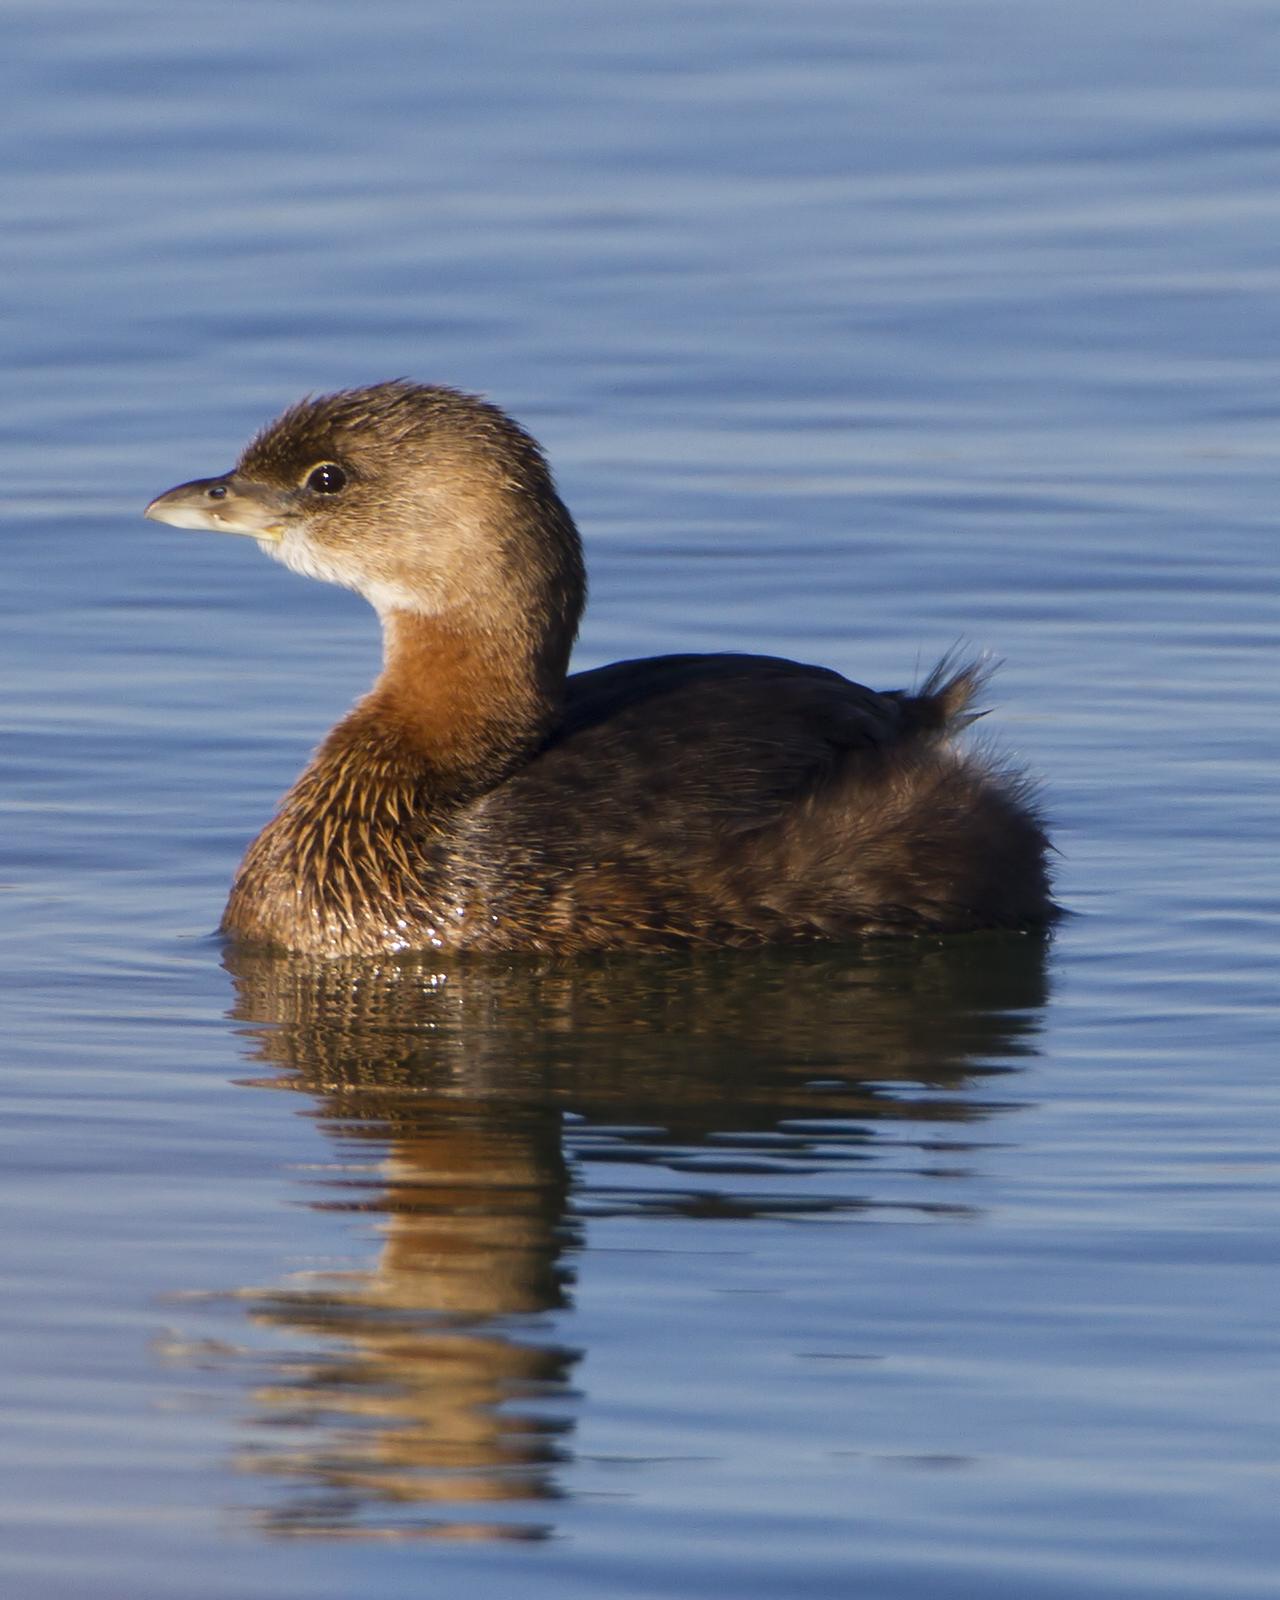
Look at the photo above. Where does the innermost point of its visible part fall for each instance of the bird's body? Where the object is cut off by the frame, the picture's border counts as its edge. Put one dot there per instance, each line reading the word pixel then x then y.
pixel 480 799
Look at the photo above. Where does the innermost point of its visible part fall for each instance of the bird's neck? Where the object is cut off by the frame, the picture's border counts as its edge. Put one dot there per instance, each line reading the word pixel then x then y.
pixel 466 705
pixel 348 863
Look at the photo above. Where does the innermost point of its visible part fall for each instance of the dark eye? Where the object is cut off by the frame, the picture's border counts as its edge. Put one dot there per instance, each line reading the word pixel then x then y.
pixel 327 478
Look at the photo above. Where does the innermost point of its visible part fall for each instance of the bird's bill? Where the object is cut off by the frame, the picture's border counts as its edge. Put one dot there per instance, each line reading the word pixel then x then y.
pixel 224 505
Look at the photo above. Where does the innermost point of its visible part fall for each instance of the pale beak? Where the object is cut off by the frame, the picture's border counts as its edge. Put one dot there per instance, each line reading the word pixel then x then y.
pixel 225 505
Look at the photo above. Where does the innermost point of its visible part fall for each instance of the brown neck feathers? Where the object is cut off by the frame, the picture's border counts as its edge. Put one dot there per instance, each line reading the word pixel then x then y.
pixel 468 705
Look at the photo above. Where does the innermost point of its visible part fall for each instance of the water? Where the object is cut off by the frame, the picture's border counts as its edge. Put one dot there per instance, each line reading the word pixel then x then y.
pixel 852 330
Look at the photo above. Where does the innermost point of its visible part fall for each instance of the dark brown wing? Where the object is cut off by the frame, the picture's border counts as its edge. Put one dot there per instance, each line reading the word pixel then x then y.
pixel 733 799
pixel 706 743
pixel 626 827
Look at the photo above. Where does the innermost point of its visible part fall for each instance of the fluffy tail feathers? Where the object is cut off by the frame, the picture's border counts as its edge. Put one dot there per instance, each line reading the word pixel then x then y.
pixel 944 702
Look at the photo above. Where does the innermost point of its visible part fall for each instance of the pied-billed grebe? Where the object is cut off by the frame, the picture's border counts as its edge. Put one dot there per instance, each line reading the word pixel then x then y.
pixel 478 798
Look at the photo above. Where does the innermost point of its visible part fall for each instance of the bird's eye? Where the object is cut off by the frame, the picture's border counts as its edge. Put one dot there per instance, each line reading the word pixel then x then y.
pixel 327 478
pixel 217 492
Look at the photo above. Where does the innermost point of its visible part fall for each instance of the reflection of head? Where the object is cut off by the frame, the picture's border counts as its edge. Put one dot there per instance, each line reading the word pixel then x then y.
pixel 452 1080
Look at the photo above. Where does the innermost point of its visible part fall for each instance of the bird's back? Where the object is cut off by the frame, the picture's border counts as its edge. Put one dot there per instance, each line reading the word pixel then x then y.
pixel 734 799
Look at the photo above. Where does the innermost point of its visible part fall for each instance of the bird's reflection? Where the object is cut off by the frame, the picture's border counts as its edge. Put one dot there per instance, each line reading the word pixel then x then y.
pixel 427 1395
